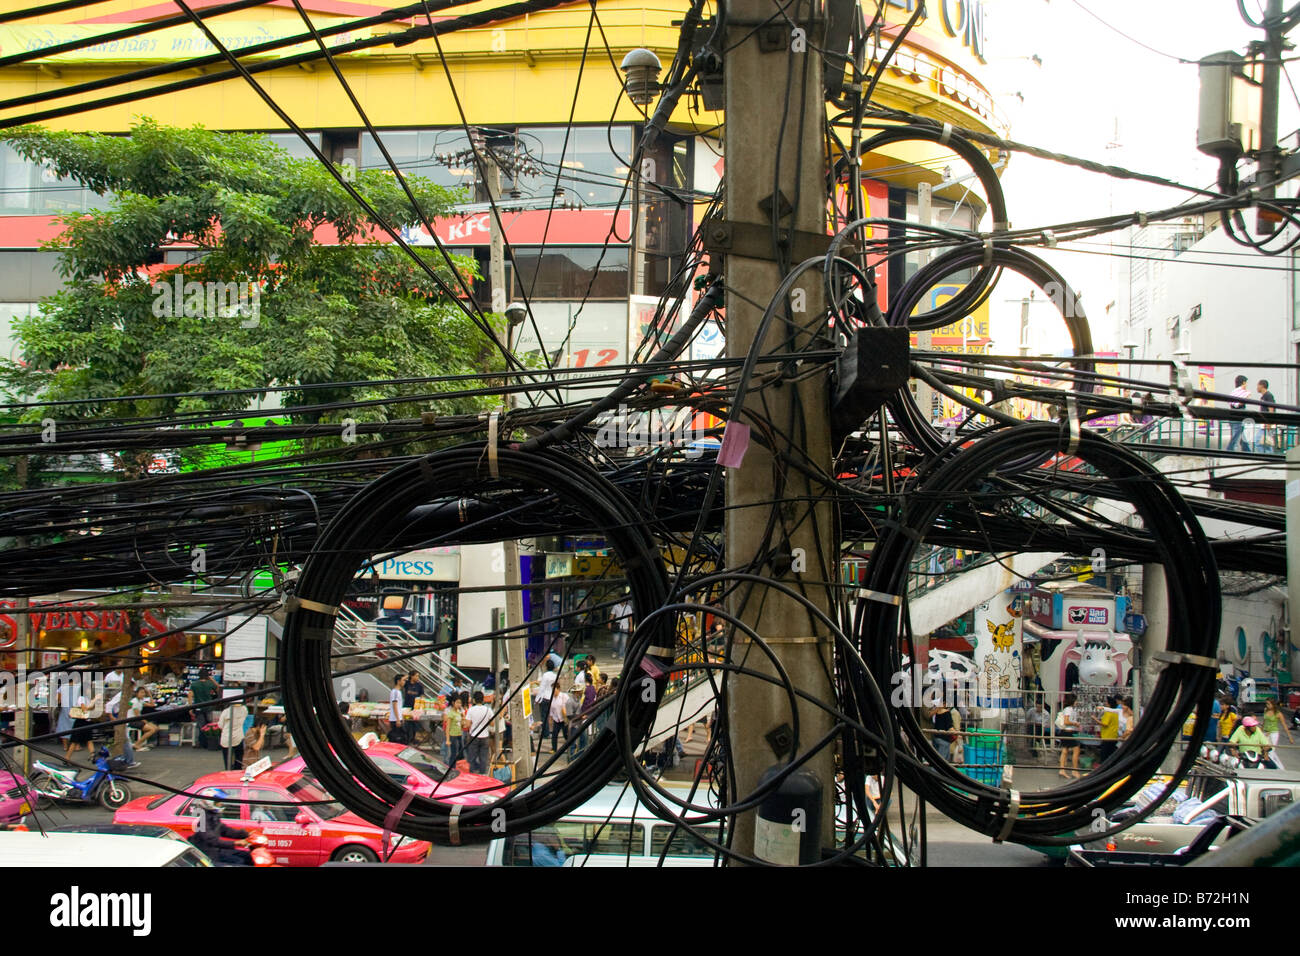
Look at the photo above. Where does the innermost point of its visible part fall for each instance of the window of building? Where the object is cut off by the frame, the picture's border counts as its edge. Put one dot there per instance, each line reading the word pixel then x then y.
pixel 29 188
pixel 292 144
pixel 568 272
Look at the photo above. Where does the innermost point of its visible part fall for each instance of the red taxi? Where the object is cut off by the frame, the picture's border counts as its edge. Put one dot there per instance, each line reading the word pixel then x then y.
pixel 308 834
pixel 427 775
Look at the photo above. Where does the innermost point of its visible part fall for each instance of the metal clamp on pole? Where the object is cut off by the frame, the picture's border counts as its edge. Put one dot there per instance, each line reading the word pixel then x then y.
pixel 1175 657
pixel 881 596
pixel 1009 820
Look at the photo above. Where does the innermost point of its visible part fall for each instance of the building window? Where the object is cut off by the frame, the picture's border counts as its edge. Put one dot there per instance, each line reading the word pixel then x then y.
pixel 32 189
pixel 566 272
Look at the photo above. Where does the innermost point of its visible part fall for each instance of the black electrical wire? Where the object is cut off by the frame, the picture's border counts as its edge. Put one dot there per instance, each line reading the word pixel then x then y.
pixel 1187 684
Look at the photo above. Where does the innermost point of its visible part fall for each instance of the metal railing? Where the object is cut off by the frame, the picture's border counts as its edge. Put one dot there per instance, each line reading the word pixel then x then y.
pixel 352 634
pixel 1212 435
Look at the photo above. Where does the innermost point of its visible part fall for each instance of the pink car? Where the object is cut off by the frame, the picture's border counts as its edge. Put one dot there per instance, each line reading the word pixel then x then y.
pixel 308 835
pixel 14 791
pixel 427 775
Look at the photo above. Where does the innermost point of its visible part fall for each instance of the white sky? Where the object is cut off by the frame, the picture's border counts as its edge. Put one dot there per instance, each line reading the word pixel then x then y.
pixel 1092 82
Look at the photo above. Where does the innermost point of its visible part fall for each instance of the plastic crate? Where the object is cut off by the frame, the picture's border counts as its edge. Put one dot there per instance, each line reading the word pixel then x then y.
pixel 984 753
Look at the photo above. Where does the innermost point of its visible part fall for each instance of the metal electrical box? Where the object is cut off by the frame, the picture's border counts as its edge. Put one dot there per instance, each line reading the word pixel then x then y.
pixel 1228 124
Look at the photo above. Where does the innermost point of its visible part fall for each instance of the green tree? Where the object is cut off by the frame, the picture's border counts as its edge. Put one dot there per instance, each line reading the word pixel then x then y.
pixel 262 302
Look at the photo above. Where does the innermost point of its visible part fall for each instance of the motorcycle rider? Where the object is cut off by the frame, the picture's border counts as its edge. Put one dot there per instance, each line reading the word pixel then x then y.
pixel 1252 743
pixel 213 837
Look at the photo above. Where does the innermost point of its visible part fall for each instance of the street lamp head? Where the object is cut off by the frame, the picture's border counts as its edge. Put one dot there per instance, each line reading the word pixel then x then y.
pixel 641 67
pixel 516 312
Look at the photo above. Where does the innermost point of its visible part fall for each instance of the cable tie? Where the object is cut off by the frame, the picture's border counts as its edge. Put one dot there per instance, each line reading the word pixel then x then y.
pixel 493 421
pixel 1002 227
pixel 1009 821
pixel 988 253
pixel 946 134
pixel 1142 219
pixel 880 596
pixel 1072 412
pixel 460 510
pixel 1049 238
pixel 453 824
pixel 391 818
pixel 666 652
pixel 1177 657
pixel 294 603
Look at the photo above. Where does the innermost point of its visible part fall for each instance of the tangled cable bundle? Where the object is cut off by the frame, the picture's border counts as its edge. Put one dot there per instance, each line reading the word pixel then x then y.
pixel 965 479
pixel 370 523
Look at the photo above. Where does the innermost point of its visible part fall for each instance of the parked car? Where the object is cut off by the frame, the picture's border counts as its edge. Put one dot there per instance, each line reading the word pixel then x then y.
pixel 427 775
pixel 613 828
pixel 82 849
pixel 15 797
pixel 1209 791
pixel 319 830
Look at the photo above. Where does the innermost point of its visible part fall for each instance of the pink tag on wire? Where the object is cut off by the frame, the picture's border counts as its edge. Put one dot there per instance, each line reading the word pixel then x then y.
pixel 390 820
pixel 735 442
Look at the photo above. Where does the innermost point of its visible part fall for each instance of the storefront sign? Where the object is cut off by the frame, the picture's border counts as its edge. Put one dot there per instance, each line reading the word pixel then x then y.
pixel 433 564
pixel 244 653
pixel 79 617
pixel 559 565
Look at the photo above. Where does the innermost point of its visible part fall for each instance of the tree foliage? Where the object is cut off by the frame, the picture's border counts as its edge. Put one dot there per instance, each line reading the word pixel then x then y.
pixel 335 305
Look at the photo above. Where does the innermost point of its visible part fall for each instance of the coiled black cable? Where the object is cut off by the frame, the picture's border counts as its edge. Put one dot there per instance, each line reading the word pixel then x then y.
pixel 910 419
pixel 371 522
pixel 1187 683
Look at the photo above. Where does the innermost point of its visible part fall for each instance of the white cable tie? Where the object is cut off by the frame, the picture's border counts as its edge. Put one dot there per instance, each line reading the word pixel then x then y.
pixel 1049 238
pixel 946 134
pixel 453 824
pixel 1009 821
pixel 493 421
pixel 880 596
pixel 988 253
pixel 1072 410
pixel 1142 219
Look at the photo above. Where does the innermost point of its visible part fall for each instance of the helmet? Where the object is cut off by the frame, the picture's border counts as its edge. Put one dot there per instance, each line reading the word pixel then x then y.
pixel 213 800
pixel 1249 722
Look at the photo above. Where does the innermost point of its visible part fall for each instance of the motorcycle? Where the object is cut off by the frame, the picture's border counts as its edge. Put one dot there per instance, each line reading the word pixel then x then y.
pixel 63 786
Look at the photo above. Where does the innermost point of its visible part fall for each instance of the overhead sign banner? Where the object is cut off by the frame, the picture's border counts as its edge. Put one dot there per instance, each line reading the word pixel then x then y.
pixel 429 564
pixel 166 45
pixel 244 653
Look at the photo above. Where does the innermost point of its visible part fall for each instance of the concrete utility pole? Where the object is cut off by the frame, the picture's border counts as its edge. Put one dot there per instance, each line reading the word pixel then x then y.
pixel 517 644
pixel 765 56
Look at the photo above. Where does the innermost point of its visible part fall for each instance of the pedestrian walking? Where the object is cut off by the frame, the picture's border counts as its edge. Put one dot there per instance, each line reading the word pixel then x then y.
pixel 1235 427
pixel 453 726
pixel 545 691
pixel 480 727
pixel 396 732
pixel 231 722
pixel 1273 722
pixel 620 626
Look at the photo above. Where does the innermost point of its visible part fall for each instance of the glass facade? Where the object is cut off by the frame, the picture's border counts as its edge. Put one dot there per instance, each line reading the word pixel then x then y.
pixel 32 189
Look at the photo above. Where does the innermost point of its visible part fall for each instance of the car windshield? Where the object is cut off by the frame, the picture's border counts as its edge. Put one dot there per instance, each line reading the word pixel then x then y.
pixel 307 791
pixel 432 767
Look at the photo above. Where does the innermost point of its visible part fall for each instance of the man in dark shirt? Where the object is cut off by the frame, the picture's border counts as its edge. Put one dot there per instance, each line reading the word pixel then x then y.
pixel 213 837
pixel 1266 404
pixel 203 690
